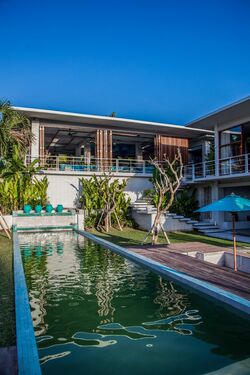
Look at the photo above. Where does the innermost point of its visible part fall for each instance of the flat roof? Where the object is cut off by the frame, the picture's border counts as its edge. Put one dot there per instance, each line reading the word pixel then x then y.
pixel 233 112
pixel 113 123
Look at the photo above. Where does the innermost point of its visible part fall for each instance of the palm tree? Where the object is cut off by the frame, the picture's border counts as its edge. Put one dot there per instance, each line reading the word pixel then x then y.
pixel 15 130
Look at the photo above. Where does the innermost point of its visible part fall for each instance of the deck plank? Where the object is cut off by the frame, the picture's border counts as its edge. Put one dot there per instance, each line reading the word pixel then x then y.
pixel 225 278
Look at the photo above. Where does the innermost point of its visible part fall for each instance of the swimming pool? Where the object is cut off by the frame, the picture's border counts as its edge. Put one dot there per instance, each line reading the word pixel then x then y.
pixel 96 312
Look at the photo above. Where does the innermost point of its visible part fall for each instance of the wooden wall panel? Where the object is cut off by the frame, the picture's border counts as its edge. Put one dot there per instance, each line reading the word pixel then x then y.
pixel 168 146
pixel 104 148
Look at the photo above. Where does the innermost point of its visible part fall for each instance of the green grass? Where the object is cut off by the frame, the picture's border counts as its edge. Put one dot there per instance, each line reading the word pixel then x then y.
pixel 133 237
pixel 7 308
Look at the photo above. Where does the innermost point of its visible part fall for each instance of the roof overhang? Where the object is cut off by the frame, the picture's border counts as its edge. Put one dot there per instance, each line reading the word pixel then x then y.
pixel 237 111
pixel 112 123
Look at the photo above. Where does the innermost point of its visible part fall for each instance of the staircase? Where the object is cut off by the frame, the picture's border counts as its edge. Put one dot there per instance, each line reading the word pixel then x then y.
pixel 207 228
pixel 144 205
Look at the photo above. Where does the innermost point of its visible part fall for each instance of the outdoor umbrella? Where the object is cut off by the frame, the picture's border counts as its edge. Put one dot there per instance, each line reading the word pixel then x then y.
pixel 231 203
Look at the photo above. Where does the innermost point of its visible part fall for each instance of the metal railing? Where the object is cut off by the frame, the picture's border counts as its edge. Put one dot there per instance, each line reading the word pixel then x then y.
pixel 226 167
pixel 81 164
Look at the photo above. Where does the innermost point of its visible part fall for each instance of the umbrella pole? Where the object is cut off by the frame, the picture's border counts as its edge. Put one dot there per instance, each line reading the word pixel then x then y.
pixel 234 241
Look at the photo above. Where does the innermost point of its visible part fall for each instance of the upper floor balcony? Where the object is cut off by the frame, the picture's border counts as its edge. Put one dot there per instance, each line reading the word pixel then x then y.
pixel 236 166
pixel 82 165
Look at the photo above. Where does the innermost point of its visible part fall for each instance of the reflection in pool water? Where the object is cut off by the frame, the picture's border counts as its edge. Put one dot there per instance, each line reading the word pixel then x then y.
pixel 96 312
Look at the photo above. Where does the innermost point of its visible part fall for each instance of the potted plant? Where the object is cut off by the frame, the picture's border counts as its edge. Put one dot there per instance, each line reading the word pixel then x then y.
pixel 49 208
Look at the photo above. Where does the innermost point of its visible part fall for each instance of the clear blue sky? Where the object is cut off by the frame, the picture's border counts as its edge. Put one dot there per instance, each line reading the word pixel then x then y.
pixel 168 61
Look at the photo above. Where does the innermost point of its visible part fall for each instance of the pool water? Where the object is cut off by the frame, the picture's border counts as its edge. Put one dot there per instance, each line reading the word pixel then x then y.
pixel 95 312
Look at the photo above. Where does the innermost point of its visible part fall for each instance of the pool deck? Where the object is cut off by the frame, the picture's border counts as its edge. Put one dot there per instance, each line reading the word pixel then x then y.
pixel 175 256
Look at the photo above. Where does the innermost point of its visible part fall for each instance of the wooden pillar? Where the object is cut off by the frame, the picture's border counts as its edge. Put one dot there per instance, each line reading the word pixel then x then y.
pixel 104 149
pixel 41 145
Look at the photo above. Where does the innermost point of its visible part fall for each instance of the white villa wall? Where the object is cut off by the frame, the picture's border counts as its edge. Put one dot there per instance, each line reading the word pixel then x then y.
pixel 65 188
pixel 145 221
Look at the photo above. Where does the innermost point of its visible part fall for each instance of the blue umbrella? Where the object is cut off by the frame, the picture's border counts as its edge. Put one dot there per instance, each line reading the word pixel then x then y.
pixel 231 203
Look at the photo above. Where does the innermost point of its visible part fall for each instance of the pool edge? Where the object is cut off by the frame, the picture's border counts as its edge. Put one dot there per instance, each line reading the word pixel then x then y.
pixel 27 353
pixel 221 295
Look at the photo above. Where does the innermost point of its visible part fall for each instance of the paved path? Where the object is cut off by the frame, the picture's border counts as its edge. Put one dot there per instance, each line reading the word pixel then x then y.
pixel 174 257
pixel 227 235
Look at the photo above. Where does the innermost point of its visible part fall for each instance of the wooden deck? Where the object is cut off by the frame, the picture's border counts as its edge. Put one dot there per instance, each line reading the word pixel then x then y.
pixel 175 257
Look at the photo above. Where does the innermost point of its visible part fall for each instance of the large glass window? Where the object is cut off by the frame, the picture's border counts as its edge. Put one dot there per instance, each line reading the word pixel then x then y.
pixel 231 142
pixel 124 151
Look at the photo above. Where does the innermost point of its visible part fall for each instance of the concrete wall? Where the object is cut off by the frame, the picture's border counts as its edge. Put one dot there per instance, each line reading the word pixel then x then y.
pixel 226 259
pixel 7 220
pixel 145 221
pixel 243 262
pixel 65 188
pixel 45 221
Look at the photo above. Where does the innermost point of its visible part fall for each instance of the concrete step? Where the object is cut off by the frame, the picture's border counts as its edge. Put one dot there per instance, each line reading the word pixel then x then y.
pixel 203 224
pixel 185 219
pixel 143 200
pixel 140 203
pixel 178 217
pixel 206 227
pixel 208 231
pixel 192 222
pixel 142 206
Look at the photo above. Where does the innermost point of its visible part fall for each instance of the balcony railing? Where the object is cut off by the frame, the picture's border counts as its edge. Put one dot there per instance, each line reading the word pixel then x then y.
pixel 236 165
pixel 81 164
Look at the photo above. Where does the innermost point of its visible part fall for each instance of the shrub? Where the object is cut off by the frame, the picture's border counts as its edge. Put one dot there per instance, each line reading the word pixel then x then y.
pixel 102 198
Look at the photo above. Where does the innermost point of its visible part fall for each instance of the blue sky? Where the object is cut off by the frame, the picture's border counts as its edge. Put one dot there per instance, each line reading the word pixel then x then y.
pixel 168 61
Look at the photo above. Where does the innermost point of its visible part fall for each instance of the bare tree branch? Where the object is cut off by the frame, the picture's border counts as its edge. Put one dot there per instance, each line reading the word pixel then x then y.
pixel 167 180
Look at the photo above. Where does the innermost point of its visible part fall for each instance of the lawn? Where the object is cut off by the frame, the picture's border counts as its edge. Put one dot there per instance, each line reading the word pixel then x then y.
pixel 7 308
pixel 134 237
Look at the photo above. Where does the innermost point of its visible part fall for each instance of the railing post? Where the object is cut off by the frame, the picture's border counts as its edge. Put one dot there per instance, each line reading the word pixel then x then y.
pixel 204 169
pixel 143 167
pixel 246 163
pixel 57 163
pixel 193 172
pixel 230 166
pixel 117 165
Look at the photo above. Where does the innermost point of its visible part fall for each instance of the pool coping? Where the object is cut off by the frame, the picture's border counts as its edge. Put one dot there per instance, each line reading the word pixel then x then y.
pixel 27 353
pixel 221 295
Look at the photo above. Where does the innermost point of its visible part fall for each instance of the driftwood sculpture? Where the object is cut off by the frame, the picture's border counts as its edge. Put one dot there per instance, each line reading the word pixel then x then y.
pixel 167 179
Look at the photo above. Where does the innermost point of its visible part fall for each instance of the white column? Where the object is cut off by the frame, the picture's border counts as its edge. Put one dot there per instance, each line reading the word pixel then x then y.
pixel 78 150
pixel 217 217
pixel 138 152
pixel 216 150
pixel 35 124
pixel 87 152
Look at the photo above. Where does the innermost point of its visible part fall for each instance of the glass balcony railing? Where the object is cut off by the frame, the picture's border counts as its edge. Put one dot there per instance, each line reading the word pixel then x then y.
pixel 236 165
pixel 81 164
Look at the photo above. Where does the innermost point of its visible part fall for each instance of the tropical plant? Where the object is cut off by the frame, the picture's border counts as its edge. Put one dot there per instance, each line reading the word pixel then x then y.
pixel 186 203
pixel 15 130
pixel 105 202
pixel 18 184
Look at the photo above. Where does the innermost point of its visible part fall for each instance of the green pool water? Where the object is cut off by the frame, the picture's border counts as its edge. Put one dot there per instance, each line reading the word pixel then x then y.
pixel 95 312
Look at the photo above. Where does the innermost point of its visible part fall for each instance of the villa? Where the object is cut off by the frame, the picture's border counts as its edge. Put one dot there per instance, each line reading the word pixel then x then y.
pixel 215 151
pixel 92 301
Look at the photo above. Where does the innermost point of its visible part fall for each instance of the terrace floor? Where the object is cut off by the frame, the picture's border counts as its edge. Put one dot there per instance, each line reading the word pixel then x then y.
pixel 175 256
